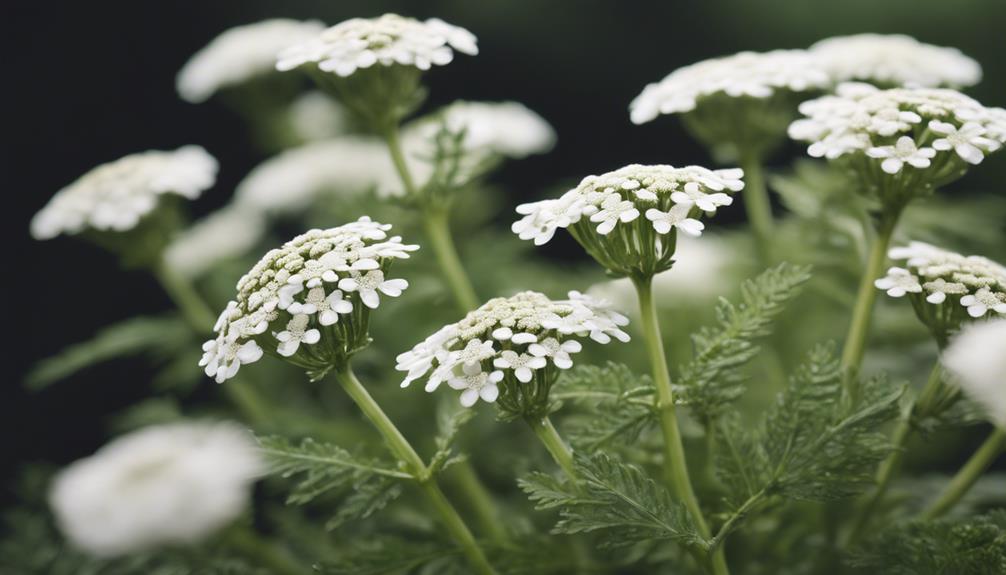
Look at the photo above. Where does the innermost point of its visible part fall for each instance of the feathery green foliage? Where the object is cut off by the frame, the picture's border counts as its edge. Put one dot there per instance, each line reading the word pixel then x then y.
pixel 615 498
pixel 713 379
pixel 323 468
pixel 383 555
pixel 618 404
pixel 450 420
pixel 161 338
pixel 971 546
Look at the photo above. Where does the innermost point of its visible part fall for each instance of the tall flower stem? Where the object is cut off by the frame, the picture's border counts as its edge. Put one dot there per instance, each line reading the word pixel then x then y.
pixel 553 442
pixel 890 466
pixel 677 466
pixel 437 227
pixel 968 474
pixel 199 316
pixel 855 341
pixel 757 202
pixel 401 447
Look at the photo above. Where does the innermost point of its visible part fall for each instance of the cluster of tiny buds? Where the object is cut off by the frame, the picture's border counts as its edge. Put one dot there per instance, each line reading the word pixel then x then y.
pixel 937 276
pixel 319 287
pixel 900 126
pixel 510 341
pixel 360 43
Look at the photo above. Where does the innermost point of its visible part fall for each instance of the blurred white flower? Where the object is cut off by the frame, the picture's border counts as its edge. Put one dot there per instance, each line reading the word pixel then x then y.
pixel 315 116
pixel 902 152
pixel 894 60
pixel 508 129
pixel 240 54
pixel 388 40
pixel 746 74
pixel 162 485
pixel 977 357
pixel 483 349
pixel 898 282
pixel 354 257
pixel 292 180
pixel 225 234
pixel 698 271
pixel 115 196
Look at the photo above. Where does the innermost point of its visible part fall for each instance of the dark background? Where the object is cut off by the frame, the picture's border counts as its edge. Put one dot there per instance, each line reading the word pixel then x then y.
pixel 88 82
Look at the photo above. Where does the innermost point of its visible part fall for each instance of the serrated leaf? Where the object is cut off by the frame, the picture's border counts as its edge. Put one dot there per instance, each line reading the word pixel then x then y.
pixel 713 378
pixel 382 556
pixel 318 468
pixel 617 401
pixel 160 337
pixel 450 420
pixel 615 498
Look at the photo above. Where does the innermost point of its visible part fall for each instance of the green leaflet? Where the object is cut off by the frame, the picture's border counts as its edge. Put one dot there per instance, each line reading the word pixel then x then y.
pixel 712 379
pixel 617 402
pixel 321 468
pixel 163 338
pixel 615 498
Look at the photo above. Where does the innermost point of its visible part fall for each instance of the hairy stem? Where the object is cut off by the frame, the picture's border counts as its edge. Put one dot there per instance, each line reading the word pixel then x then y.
pixel 890 466
pixel 968 474
pixel 674 454
pixel 403 450
pixel 553 442
pixel 757 203
pixel 855 341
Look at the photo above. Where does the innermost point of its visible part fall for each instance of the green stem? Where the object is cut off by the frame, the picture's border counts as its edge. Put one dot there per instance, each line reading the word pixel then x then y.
pixel 548 435
pixel 757 203
pixel 968 474
pixel 736 516
pixel 438 233
pixel 404 451
pixel 479 499
pixel 855 341
pixel 889 467
pixel 181 291
pixel 677 466
pixel 436 225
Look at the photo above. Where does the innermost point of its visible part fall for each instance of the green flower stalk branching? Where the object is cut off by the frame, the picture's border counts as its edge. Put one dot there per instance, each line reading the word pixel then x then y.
pixel 968 474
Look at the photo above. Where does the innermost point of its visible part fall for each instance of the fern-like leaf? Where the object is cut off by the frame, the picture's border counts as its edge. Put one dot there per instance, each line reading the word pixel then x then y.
pixel 615 498
pixel 618 404
pixel 712 379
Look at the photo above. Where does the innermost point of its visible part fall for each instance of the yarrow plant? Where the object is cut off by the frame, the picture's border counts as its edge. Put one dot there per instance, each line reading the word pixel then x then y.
pixel 309 301
pixel 628 219
pixel 946 288
pixel 172 497
pixel 162 485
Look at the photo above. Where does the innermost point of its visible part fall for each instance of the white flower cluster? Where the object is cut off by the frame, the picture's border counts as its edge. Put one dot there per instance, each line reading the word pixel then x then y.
pixel 894 60
pixel 977 356
pixel 936 275
pixel 114 197
pixel 669 197
pixel 509 339
pixel 317 288
pixel 389 40
pixel 163 485
pixel 225 234
pixel 750 74
pixel 240 54
pixel 899 126
pixel 505 128
pixel 291 181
